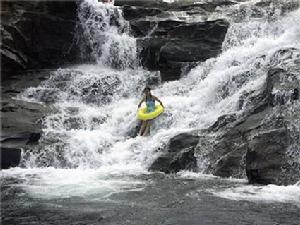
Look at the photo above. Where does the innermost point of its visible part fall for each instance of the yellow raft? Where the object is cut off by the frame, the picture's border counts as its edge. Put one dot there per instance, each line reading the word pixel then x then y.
pixel 143 115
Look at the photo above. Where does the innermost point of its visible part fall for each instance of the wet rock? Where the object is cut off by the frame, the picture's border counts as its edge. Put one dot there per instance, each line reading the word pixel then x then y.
pixel 10 157
pixel 273 154
pixel 37 34
pixel 179 155
pixel 23 138
pixel 169 46
pixel 170 43
pixel 263 142
pixel 295 95
pixel 287 7
pixel 21 120
pixel 133 12
pixel 266 157
pixel 144 3
pixel 176 5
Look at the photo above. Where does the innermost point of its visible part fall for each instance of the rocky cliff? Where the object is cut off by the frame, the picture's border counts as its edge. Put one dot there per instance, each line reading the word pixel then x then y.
pixel 37 34
pixel 262 143
pixel 170 38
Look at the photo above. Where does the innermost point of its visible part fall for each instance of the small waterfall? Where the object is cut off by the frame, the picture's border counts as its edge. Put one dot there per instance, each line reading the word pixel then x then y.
pixel 94 116
pixel 106 35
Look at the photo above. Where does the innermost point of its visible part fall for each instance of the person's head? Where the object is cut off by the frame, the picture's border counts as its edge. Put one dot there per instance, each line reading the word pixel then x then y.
pixel 147 90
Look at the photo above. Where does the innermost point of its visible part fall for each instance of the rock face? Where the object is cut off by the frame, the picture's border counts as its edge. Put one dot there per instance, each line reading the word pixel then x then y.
pixel 10 157
pixel 179 155
pixel 175 5
pixel 21 124
pixel 172 45
pixel 175 45
pixel 262 143
pixel 274 153
pixel 37 34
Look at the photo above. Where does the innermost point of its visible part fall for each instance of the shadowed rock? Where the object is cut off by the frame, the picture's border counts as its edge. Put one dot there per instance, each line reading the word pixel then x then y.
pixel 10 157
pixel 21 120
pixel 179 155
pixel 171 43
pixel 169 46
pixel 37 34
pixel 263 142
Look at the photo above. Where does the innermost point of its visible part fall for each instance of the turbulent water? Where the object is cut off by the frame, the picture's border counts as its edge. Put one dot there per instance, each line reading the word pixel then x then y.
pixel 89 139
pixel 96 103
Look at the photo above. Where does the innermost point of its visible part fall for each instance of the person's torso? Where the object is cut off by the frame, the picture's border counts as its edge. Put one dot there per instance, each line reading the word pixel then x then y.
pixel 150 103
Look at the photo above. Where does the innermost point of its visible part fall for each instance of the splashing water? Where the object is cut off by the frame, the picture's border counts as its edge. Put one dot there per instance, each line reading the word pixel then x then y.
pixel 269 193
pixel 107 35
pixel 94 120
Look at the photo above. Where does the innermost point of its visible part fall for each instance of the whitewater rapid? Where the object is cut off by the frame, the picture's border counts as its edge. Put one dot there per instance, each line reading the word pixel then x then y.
pixel 97 103
pixel 92 130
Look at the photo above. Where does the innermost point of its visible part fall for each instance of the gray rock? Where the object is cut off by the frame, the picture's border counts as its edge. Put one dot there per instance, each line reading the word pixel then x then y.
pixel 176 5
pixel 266 156
pixel 170 46
pixel 10 157
pixel 262 143
pixel 179 155
pixel 10 140
pixel 37 34
pixel 21 120
pixel 133 12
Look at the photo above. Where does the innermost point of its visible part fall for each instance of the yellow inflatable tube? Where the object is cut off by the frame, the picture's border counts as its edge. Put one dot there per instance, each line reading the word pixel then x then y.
pixel 143 115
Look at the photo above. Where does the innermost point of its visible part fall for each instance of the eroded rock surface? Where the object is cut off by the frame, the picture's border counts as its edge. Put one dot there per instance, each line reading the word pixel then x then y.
pixel 263 142
pixel 169 43
pixel 179 155
pixel 37 34
pixel 21 120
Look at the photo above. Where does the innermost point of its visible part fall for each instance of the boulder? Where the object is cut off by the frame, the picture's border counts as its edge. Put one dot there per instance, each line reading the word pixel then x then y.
pixel 273 154
pixel 170 43
pixel 37 34
pixel 19 139
pixel 179 155
pixel 266 157
pixel 21 120
pixel 10 157
pixel 263 142
pixel 169 46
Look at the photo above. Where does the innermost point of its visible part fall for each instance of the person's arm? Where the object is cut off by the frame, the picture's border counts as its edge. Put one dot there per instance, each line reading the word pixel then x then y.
pixel 143 99
pixel 156 98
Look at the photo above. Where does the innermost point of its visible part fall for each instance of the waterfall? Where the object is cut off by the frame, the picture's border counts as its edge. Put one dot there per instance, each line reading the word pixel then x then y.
pixel 94 117
pixel 106 35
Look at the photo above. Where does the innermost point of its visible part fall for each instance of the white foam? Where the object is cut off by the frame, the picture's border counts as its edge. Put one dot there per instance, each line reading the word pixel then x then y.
pixel 49 183
pixel 106 34
pixel 106 99
pixel 268 193
pixel 168 1
pixel 201 176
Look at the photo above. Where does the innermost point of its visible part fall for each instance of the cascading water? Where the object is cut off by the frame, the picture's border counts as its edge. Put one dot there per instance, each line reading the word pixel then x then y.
pixel 106 35
pixel 95 104
pixel 89 161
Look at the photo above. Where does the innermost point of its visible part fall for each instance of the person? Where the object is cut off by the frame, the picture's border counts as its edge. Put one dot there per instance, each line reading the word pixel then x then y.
pixel 150 105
